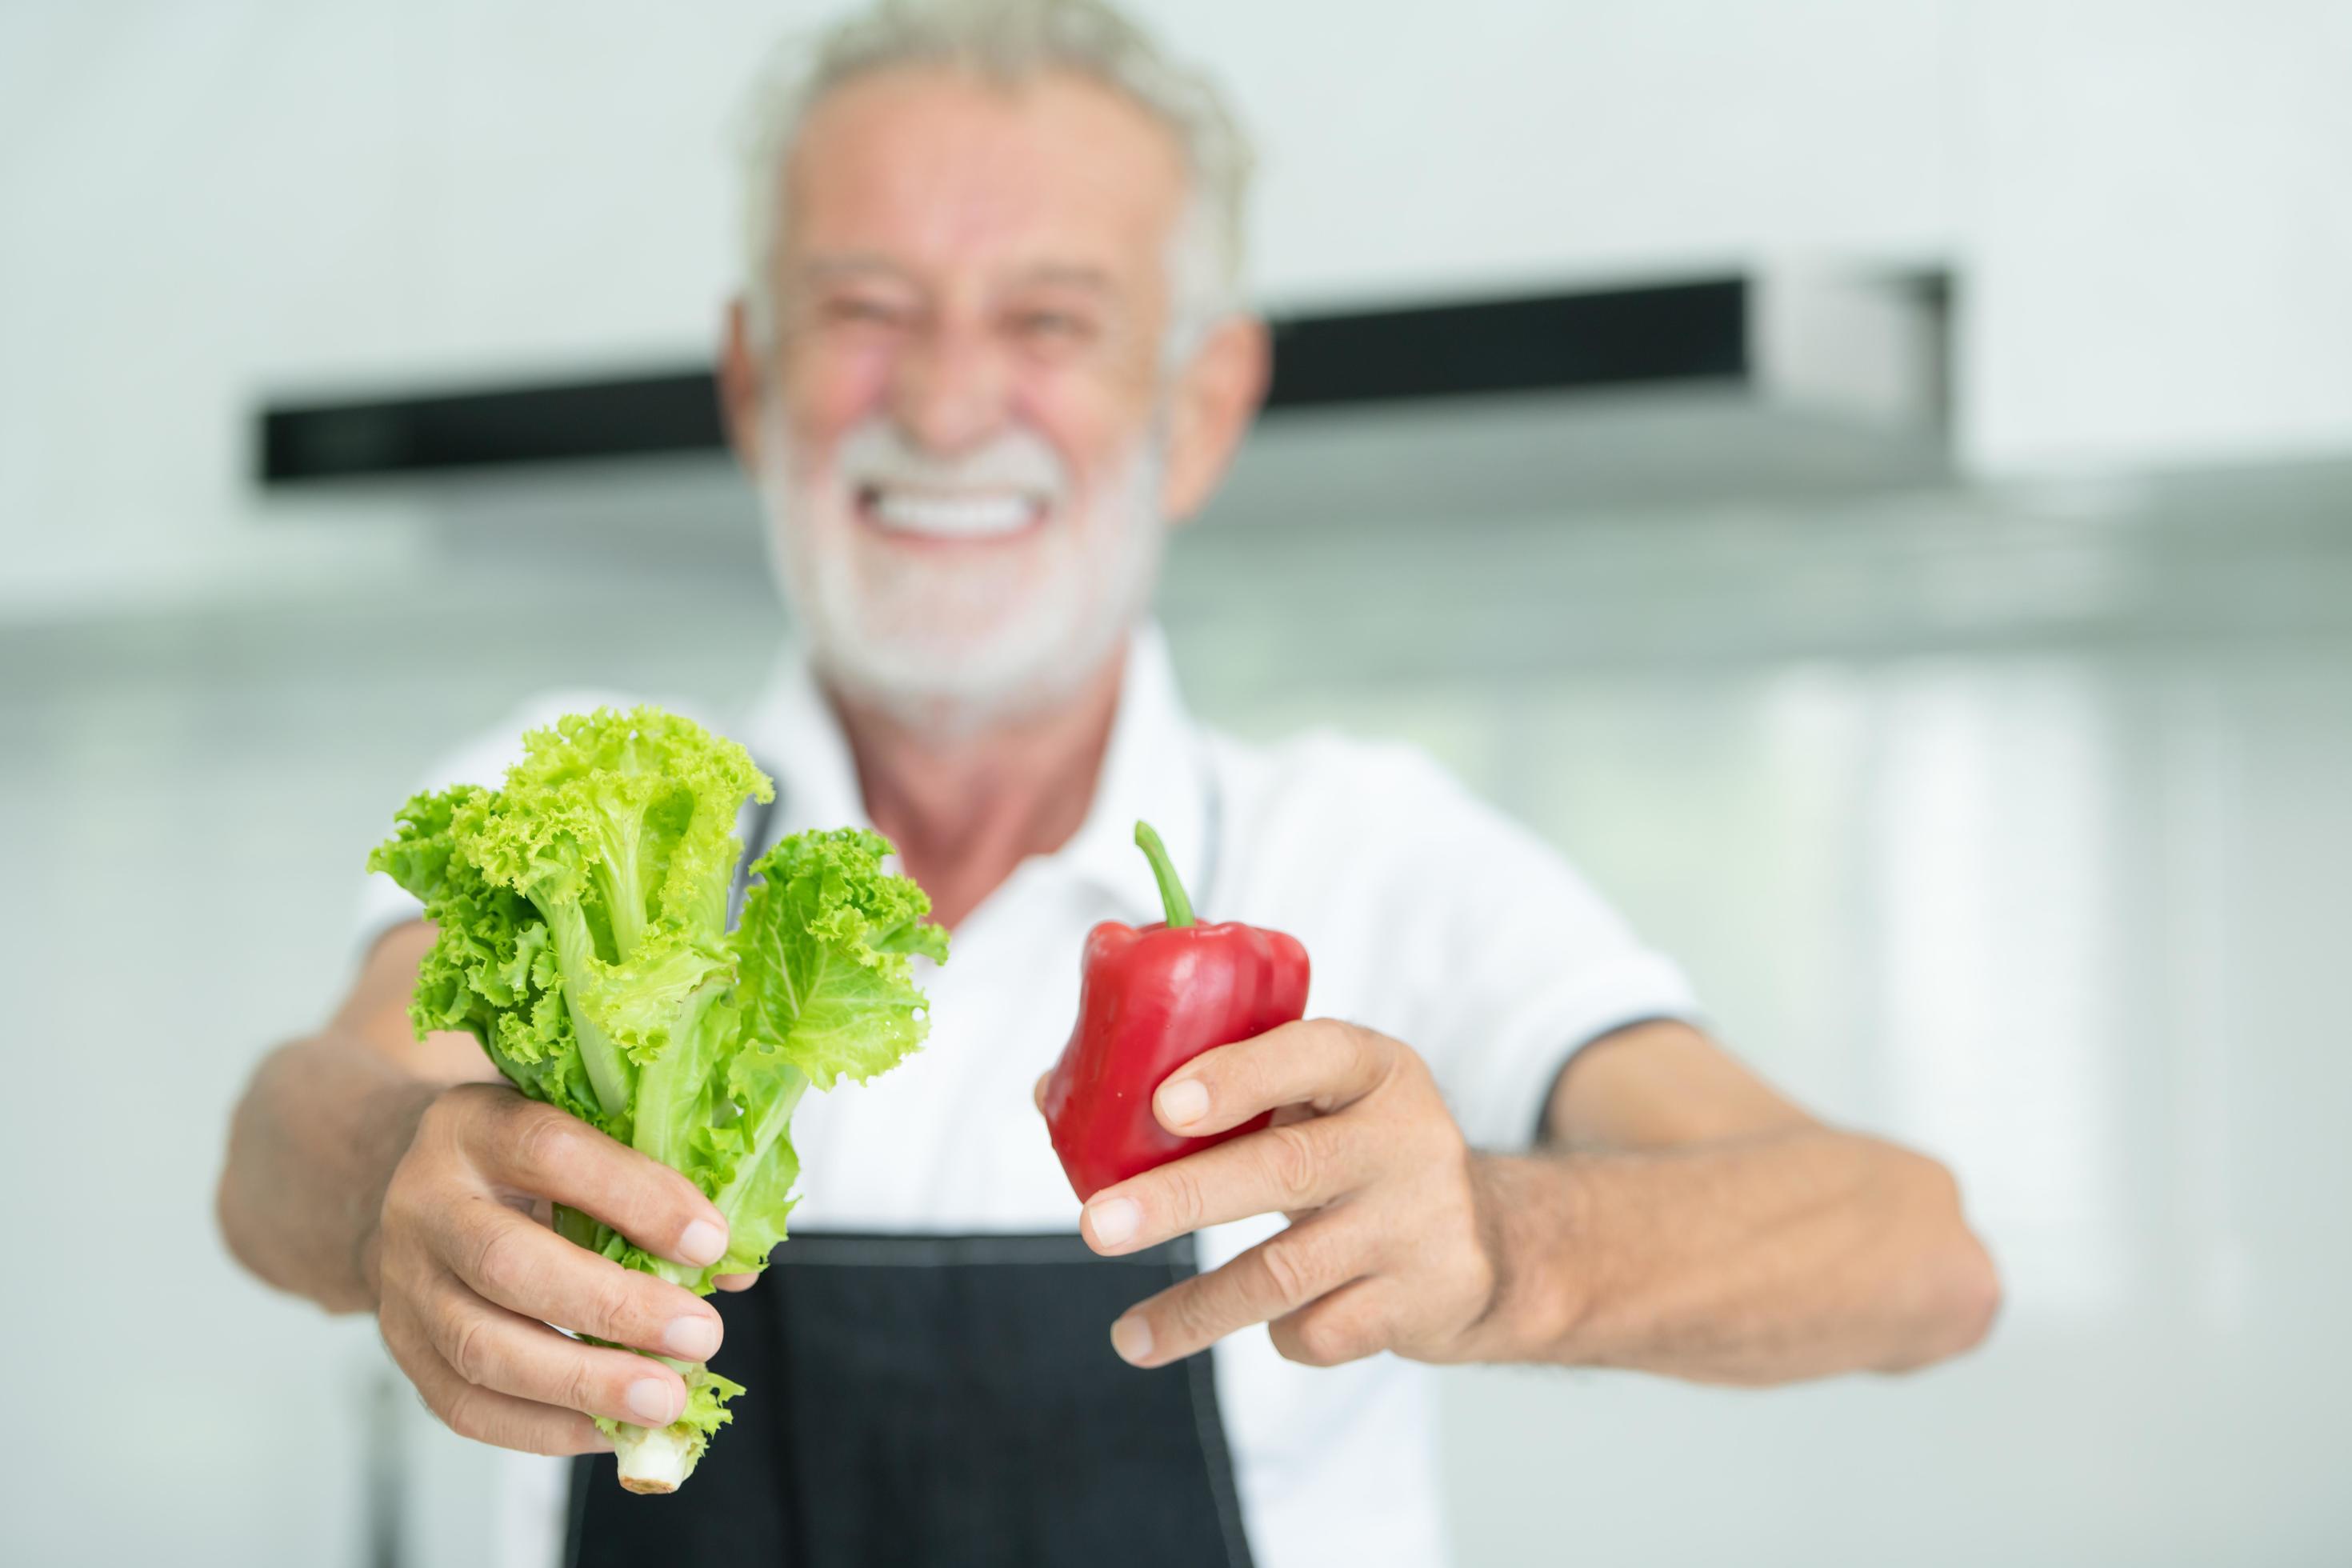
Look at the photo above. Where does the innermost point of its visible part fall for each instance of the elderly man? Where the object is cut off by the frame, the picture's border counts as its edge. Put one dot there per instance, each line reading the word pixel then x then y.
pixel 989 350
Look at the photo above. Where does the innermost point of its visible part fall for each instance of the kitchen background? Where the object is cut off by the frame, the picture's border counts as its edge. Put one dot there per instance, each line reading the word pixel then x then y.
pixel 1960 683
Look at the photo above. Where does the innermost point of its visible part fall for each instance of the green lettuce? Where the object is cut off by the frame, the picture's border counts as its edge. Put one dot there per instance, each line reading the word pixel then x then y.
pixel 581 914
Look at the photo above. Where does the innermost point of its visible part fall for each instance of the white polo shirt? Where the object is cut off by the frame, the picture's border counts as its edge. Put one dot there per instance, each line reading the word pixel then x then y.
pixel 1426 915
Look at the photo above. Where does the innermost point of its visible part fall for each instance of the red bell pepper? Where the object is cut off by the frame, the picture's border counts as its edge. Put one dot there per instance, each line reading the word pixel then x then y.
pixel 1150 1001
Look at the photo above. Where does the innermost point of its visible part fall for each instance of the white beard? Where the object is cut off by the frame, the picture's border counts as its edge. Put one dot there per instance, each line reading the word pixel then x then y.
pixel 956 642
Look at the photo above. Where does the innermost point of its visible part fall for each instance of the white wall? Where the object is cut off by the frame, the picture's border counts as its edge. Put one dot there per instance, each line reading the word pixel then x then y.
pixel 2159 227
pixel 205 202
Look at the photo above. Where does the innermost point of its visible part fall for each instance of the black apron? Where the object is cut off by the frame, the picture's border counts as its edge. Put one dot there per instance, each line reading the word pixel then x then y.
pixel 929 1399
pixel 913 1400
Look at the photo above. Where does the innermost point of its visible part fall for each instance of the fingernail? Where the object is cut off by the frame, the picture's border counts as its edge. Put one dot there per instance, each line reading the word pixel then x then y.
pixel 1131 1338
pixel 1184 1101
pixel 652 1401
pixel 1114 1220
pixel 691 1339
pixel 702 1242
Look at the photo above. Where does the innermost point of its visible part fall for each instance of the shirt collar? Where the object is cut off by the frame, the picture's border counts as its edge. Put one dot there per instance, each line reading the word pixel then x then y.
pixel 1154 769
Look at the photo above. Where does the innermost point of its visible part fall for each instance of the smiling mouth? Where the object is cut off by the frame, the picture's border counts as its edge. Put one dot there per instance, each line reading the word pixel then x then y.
pixel 955 515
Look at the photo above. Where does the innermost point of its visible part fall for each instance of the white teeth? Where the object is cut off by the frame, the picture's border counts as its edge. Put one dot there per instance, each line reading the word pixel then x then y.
pixel 940 515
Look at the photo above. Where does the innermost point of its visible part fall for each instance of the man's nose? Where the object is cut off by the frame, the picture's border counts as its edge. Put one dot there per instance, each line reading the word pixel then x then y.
pixel 949 390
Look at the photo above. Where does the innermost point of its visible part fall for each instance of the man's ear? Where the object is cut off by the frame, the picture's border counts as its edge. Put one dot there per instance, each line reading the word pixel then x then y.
pixel 740 384
pixel 1215 396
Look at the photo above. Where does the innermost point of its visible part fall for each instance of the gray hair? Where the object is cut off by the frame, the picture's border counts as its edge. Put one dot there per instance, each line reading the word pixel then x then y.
pixel 1012 42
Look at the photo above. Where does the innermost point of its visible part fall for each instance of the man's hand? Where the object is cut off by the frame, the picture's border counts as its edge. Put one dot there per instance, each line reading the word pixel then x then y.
pixel 467 1281
pixel 1392 1245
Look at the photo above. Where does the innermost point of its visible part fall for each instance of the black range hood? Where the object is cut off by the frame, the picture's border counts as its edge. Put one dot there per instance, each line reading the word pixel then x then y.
pixel 1694 331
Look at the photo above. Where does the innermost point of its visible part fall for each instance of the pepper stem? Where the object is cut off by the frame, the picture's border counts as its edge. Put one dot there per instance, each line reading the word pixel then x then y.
pixel 1171 888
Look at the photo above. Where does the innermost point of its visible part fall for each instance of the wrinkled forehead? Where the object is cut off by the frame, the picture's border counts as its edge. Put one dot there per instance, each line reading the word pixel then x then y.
pixel 942 172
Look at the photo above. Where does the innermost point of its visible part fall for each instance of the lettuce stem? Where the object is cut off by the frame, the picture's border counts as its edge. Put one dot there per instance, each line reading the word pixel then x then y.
pixel 609 1072
pixel 664 1125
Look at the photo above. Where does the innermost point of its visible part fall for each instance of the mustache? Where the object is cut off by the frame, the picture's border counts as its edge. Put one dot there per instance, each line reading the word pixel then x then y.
pixel 878 453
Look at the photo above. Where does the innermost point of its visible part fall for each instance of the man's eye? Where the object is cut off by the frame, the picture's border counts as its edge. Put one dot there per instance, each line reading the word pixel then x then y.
pixel 864 312
pixel 1058 326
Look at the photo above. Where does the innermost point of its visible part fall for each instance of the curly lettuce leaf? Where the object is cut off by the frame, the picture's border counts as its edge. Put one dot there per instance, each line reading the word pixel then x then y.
pixel 756 1199
pixel 618 826
pixel 825 945
pixel 628 814
pixel 490 971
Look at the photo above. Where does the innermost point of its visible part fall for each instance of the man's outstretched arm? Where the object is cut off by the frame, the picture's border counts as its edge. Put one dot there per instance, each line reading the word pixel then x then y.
pixel 1686 1219
pixel 324 1122
pixel 1682 1218
pixel 371 1172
